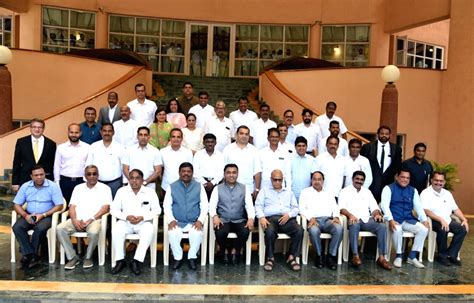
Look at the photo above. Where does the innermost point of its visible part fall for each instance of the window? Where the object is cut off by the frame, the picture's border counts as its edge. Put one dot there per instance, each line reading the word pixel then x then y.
pixel 347 45
pixel 6 31
pixel 257 46
pixel 161 42
pixel 418 54
pixel 65 29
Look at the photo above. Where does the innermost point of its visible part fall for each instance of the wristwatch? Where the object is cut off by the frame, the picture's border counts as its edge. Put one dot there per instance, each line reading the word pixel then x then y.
pixel 44 215
pixel 145 183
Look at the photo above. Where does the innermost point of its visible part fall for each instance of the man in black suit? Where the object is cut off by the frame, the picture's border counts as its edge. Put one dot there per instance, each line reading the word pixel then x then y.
pixel 30 151
pixel 110 112
pixel 385 160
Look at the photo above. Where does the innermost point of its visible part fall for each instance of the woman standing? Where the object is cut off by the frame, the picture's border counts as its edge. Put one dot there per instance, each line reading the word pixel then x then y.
pixel 192 136
pixel 160 129
pixel 174 114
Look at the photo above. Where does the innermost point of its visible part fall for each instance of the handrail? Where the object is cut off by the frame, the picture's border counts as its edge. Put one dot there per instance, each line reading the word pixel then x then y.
pixel 273 79
pixel 130 74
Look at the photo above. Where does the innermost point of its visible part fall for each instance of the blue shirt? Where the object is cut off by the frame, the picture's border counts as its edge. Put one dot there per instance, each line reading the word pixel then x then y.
pixel 90 134
pixel 300 173
pixel 270 202
pixel 39 199
pixel 419 173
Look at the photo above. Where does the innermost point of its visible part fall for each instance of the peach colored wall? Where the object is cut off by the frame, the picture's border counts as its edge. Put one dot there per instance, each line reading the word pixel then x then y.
pixel 456 127
pixel 44 83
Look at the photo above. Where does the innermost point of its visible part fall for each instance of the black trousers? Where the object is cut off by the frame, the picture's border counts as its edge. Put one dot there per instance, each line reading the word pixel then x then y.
pixel 291 228
pixel 67 186
pixel 459 232
pixel 224 230
pixel 21 229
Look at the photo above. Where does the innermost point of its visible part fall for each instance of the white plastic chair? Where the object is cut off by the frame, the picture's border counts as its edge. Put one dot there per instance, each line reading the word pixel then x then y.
pixel 51 234
pixel 166 242
pixel 137 237
pixel 100 246
pixel 212 245
pixel 362 235
pixel 432 241
pixel 324 236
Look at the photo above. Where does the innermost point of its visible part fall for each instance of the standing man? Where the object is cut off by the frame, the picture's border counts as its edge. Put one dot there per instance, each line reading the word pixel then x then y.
pixel 208 164
pixel 111 113
pixel 43 198
pixel 288 116
pixel 308 130
pixel 126 128
pixel 359 206
pixel 70 161
pixel 322 212
pixel 187 99
pixel 399 200
pixel 260 127
pixel 135 206
pixel 385 160
pixel 231 209
pixel 30 151
pixel 246 157
pixel 90 130
pixel 144 157
pixel 276 209
pixel 355 162
pixel 89 202
pixel 243 116
pixel 272 157
pixel 203 110
pixel 186 208
pixel 283 144
pixel 342 149
pixel 301 165
pixel 439 204
pixel 143 110
pixel 220 126
pixel 420 169
pixel 324 120
pixel 107 156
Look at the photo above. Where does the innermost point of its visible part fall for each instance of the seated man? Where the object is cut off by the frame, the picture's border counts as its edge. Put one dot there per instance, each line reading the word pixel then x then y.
pixel 231 209
pixel 359 206
pixel 185 207
pixel 277 208
pixel 43 198
pixel 135 206
pixel 89 201
pixel 439 204
pixel 398 202
pixel 322 212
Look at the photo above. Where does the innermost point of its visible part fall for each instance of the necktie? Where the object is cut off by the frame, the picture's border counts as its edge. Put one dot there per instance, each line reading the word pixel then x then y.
pixel 382 158
pixel 36 150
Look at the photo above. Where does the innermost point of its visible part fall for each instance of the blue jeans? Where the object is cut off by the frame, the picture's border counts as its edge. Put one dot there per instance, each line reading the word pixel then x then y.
pixel 378 228
pixel 325 225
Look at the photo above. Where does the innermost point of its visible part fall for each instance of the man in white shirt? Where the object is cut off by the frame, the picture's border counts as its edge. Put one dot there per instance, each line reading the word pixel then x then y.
pixel 203 111
pixel 247 159
pixel 363 214
pixel 185 208
pixel 109 114
pixel 321 211
pixel 135 206
pixel 70 160
pixel 208 164
pixel 126 128
pixel 89 202
pixel 107 155
pixel 283 144
pixel 243 116
pixel 272 157
pixel 439 204
pixel 355 161
pixel 144 157
pixel 323 121
pixel 259 128
pixel 288 117
pixel 172 156
pixel 220 126
pixel 332 165
pixel 143 110
pixel 342 149
pixel 308 130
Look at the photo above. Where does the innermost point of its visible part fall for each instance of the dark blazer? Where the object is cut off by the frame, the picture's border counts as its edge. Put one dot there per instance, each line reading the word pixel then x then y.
pixel 24 160
pixel 104 115
pixel 379 181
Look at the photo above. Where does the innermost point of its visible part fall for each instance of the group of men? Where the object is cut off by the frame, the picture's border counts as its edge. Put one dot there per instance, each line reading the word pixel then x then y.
pixel 262 169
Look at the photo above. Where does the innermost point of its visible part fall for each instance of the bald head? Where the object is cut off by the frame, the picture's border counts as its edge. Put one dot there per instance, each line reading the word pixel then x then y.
pixel 125 112
pixel 277 179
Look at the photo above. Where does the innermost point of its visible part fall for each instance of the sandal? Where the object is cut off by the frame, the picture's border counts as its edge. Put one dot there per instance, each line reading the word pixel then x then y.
pixel 269 265
pixel 293 265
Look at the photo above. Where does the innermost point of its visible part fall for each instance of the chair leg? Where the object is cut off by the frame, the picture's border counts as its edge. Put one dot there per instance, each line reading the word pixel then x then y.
pixel 212 244
pixel 248 254
pixel 261 246
pixel 12 247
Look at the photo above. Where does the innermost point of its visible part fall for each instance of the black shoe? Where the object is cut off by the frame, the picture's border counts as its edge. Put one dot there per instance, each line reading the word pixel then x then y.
pixel 34 261
pixel 443 260
pixel 192 264
pixel 135 265
pixel 318 262
pixel 224 259
pixel 121 264
pixel 455 261
pixel 25 261
pixel 331 262
pixel 177 264
pixel 235 259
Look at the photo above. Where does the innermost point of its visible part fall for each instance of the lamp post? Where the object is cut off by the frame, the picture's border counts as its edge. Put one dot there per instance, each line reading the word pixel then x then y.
pixel 389 109
pixel 6 108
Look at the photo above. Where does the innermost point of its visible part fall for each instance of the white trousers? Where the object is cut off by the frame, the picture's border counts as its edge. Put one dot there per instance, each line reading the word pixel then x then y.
pixel 418 229
pixel 122 228
pixel 175 236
